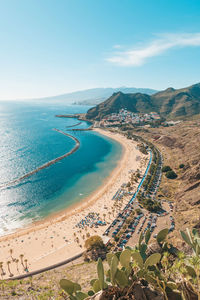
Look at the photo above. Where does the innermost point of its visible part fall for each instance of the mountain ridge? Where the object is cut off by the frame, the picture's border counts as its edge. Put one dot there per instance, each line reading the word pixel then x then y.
pixel 169 103
pixel 91 96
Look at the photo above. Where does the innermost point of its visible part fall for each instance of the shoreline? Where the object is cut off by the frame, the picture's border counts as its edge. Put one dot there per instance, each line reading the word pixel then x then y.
pixel 75 207
pixel 44 235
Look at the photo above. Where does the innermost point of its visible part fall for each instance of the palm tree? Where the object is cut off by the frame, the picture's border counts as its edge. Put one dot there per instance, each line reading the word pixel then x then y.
pixel 21 258
pixel 8 264
pixel 104 215
pixel 113 209
pixel 2 270
pixel 11 252
pixel 17 266
pixel 1 265
pixel 26 266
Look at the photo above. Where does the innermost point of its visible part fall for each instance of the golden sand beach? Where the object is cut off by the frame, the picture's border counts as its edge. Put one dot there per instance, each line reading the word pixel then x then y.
pixel 56 237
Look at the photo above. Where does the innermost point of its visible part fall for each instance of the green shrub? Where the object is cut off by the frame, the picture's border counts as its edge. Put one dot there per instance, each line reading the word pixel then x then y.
pixel 94 242
pixel 171 174
pixel 138 211
pixel 150 205
pixel 166 169
pixel 181 166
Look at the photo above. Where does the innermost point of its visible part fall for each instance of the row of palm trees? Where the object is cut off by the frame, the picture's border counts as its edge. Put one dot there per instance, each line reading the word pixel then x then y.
pixel 22 260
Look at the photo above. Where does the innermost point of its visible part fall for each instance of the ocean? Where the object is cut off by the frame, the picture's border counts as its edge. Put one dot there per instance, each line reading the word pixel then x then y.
pixel 27 141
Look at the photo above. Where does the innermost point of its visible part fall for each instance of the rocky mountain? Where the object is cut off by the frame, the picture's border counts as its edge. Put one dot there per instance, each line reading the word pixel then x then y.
pixel 170 103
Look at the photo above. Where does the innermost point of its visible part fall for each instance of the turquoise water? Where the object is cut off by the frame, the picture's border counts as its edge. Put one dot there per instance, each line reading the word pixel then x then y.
pixel 27 141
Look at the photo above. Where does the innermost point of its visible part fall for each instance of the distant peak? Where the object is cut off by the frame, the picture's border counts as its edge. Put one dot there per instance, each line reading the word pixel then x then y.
pixel 170 89
pixel 117 93
pixel 197 85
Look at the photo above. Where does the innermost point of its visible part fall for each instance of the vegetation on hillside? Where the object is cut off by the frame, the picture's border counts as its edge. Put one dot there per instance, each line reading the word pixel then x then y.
pixel 95 248
pixel 181 166
pixel 171 174
pixel 140 274
pixel 166 169
pixel 180 146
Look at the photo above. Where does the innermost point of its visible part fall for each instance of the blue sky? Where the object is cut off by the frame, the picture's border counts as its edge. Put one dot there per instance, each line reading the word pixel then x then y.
pixel 50 47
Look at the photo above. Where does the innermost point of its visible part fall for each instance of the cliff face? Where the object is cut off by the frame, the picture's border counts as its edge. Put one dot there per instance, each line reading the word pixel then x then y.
pixel 169 103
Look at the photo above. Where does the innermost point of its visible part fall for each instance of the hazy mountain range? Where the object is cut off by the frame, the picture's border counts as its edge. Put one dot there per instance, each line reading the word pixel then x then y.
pixel 170 103
pixel 93 96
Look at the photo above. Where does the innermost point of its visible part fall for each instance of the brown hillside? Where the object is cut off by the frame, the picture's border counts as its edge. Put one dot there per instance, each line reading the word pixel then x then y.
pixel 180 144
pixel 178 103
pixel 133 102
pixel 170 103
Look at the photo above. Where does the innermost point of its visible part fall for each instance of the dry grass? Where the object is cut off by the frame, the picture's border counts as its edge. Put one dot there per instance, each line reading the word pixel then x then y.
pixel 45 286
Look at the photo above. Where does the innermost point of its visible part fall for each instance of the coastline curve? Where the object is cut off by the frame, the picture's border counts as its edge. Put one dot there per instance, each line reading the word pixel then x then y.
pixel 77 256
pixel 43 229
pixel 46 165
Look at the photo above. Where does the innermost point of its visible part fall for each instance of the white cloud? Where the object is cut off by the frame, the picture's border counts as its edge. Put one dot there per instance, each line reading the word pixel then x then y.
pixel 137 57
pixel 117 46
